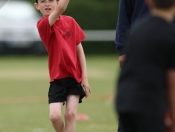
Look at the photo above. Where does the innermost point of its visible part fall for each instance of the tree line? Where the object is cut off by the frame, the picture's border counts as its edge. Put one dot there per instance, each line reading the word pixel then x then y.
pixel 93 14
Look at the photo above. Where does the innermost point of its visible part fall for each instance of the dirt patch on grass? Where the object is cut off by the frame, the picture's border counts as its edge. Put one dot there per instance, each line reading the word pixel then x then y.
pixel 23 74
pixel 97 73
pixel 14 100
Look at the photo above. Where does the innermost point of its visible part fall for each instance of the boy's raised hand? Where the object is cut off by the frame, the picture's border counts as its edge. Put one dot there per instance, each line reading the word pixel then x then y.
pixel 59 9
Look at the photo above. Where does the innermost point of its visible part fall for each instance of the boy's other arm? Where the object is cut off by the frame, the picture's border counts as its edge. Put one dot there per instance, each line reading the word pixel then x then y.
pixel 171 96
pixel 82 60
pixel 60 8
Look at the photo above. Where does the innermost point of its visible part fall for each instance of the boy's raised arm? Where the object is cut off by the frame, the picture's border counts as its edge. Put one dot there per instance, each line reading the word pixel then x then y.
pixel 60 8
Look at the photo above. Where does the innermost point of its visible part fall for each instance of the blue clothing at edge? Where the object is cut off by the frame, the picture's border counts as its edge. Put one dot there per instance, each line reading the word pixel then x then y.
pixel 129 12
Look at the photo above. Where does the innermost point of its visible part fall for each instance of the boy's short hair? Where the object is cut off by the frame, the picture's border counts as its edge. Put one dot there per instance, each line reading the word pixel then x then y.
pixel 164 4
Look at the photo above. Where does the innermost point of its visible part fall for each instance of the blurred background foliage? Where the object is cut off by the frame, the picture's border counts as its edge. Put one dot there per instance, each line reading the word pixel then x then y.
pixel 93 14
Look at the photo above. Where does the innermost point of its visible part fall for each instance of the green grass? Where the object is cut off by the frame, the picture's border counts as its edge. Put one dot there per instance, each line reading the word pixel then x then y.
pixel 24 83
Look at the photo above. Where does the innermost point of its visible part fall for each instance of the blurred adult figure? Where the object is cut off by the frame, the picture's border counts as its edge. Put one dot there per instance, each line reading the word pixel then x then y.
pixel 129 12
pixel 148 72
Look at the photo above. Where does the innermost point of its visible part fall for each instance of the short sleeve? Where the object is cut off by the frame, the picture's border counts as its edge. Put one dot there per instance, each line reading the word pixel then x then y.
pixel 44 30
pixel 79 34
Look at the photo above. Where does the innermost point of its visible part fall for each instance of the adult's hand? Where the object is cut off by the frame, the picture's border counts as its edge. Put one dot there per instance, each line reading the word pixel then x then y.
pixel 121 60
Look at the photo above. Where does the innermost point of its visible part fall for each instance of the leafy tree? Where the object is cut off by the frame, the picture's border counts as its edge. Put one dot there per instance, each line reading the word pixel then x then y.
pixel 93 14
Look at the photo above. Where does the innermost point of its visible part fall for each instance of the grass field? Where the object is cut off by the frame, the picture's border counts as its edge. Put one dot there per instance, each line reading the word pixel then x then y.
pixel 24 85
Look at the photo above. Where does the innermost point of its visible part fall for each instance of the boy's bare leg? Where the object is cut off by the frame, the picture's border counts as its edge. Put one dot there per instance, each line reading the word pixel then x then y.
pixel 55 116
pixel 70 114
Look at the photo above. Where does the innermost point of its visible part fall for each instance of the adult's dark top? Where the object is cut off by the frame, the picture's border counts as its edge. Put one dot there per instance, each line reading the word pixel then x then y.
pixel 150 52
pixel 129 12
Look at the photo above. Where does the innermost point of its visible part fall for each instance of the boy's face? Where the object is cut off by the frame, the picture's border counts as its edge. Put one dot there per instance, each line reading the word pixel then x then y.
pixel 46 7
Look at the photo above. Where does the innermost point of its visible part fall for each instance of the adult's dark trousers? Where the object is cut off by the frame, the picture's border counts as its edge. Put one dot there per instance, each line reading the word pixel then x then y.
pixel 141 123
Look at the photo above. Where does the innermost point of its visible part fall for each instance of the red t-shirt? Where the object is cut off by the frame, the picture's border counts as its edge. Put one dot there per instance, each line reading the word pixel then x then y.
pixel 60 41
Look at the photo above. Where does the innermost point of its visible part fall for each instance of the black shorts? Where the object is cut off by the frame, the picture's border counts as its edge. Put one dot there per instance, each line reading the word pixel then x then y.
pixel 60 89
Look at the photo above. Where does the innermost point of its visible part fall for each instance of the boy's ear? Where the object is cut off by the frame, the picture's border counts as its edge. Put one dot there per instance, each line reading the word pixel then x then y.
pixel 36 6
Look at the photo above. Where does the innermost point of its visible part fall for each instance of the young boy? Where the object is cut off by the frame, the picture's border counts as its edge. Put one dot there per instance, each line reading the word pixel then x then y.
pixel 148 72
pixel 62 38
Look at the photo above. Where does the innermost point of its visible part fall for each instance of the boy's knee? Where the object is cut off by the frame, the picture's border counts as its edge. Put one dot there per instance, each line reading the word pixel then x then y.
pixel 70 115
pixel 55 118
